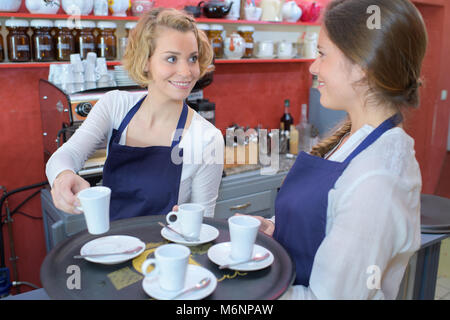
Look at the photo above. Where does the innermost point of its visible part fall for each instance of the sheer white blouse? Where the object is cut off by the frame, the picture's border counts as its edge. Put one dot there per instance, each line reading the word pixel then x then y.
pixel 202 149
pixel 373 222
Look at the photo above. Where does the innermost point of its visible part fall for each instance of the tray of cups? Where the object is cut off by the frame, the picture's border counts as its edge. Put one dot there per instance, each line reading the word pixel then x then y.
pixel 218 268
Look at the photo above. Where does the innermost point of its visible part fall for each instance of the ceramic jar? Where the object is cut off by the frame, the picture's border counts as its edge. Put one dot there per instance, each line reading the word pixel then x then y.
pixel 234 46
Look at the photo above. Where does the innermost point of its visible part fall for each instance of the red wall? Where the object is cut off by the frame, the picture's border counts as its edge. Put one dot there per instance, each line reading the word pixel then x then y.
pixel 248 94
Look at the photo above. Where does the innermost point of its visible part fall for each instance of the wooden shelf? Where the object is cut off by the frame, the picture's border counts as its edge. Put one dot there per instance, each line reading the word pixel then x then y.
pixel 221 21
pixel 61 16
pixel 244 61
pixel 132 18
pixel 12 65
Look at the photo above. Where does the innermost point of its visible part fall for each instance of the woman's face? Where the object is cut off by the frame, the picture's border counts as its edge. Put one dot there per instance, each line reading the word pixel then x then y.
pixel 173 67
pixel 336 75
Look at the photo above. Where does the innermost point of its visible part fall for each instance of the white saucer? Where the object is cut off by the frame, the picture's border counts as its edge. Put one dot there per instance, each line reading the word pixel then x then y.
pixel 194 274
pixel 207 233
pixel 221 254
pixel 112 244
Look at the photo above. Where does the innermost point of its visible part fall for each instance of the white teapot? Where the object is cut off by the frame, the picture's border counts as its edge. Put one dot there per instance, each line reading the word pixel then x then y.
pixel 119 7
pixel 75 7
pixel 42 6
pixel 271 10
pixel 291 12
pixel 234 46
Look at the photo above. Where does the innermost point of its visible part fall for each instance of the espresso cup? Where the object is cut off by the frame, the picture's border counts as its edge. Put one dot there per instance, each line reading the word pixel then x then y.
pixel 95 206
pixel 189 217
pixel 171 261
pixel 243 231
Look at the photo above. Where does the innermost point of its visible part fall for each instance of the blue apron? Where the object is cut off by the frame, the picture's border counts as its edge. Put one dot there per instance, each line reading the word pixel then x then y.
pixel 143 180
pixel 301 204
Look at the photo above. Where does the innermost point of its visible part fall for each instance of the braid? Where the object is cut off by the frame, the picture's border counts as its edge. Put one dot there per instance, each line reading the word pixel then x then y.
pixel 324 146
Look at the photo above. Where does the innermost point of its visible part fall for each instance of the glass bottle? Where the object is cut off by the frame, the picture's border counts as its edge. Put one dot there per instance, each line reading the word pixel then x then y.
pixel 286 120
pixel 246 32
pixel 18 41
pixel 285 124
pixel 64 40
pixel 2 53
pixel 42 40
pixel 216 40
pixel 106 40
pixel 85 38
pixel 305 131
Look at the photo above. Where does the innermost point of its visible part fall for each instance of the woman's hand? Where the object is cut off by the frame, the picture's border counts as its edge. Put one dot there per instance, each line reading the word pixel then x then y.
pixel 267 226
pixel 65 187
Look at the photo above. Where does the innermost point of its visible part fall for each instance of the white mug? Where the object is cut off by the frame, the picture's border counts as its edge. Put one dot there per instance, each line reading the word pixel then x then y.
pixel 95 205
pixel 170 263
pixel 265 49
pixel 243 232
pixel 285 49
pixel 190 218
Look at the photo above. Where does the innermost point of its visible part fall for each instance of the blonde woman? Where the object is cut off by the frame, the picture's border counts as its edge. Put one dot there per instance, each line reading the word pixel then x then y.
pixel 159 150
pixel 349 212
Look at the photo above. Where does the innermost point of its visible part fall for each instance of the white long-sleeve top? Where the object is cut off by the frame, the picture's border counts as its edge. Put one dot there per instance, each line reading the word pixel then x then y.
pixel 202 147
pixel 373 222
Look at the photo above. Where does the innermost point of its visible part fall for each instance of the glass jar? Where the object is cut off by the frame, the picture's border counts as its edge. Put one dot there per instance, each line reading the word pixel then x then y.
pixel 64 40
pixel 216 40
pixel 2 53
pixel 123 42
pixel 42 40
pixel 204 27
pixel 18 41
pixel 129 26
pixel 246 32
pixel 85 38
pixel 106 40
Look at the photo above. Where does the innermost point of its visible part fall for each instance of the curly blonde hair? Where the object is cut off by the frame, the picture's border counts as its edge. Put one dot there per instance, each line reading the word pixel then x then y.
pixel 141 41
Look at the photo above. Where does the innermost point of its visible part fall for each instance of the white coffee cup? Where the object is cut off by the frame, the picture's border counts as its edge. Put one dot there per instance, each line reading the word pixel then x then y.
pixel 91 58
pixel 170 263
pixel 265 49
pixel 189 217
pixel 95 206
pixel 243 231
pixel 285 49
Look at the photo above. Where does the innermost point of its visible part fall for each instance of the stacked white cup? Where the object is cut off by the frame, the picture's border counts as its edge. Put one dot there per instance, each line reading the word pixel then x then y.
pixel 78 72
pixel 103 78
pixel 66 78
pixel 90 76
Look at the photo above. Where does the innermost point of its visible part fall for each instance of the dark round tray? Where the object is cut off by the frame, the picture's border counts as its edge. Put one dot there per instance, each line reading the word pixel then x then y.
pixel 124 281
pixel 435 214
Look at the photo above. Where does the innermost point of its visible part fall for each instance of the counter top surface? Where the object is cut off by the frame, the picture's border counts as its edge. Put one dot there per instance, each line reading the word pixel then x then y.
pixel 285 164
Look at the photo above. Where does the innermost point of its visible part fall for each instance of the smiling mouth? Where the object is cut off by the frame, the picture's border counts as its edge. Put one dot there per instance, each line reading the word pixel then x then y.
pixel 181 84
pixel 321 84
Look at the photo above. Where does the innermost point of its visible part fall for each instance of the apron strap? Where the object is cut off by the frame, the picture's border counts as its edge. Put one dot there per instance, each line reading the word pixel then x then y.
pixel 375 134
pixel 180 125
pixel 129 116
pixel 132 112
